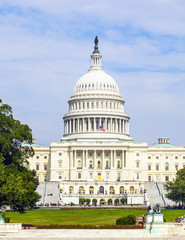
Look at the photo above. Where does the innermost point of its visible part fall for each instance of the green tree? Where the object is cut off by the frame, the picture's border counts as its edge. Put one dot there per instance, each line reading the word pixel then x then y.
pixel 94 201
pixel 116 201
pixel 110 201
pixel 17 183
pixel 81 201
pixel 176 188
pixel 87 200
pixel 123 200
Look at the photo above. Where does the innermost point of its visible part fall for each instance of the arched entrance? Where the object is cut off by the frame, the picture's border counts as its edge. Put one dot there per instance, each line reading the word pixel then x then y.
pixel 101 190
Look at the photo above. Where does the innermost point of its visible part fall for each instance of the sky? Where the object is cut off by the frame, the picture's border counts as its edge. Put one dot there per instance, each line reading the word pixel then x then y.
pixel 45 47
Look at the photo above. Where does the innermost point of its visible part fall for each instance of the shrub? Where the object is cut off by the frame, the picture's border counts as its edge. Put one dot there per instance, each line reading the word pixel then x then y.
pixel 6 219
pixel 116 201
pixel 110 201
pixel 81 201
pixel 94 201
pixel 128 220
pixel 87 201
pixel 123 200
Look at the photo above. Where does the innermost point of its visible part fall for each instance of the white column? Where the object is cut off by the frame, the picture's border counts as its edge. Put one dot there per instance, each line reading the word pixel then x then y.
pixel 89 124
pixel 127 127
pixel 111 160
pixel 116 124
pixel 95 164
pixel 83 159
pixel 122 159
pixel 83 125
pixel 71 157
pixel 74 126
pixel 94 122
pixel 110 124
pixel 74 161
pixel 106 124
pixel 86 159
pixel 103 153
pixel 120 125
pixel 114 159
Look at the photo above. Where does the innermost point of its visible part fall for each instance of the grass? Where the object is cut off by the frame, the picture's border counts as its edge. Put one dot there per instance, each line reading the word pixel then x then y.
pixel 78 216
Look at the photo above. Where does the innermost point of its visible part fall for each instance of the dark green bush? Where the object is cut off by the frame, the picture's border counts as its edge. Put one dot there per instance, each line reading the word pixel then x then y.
pixel 87 200
pixel 6 219
pixel 123 200
pixel 128 220
pixel 110 201
pixel 81 201
pixel 94 201
pixel 116 201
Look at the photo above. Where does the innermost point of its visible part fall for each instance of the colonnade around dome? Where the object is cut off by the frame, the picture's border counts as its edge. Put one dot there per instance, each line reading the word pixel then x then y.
pixel 93 124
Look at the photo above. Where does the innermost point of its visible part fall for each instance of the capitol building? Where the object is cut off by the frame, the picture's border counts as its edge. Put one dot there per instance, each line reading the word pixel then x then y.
pixel 97 157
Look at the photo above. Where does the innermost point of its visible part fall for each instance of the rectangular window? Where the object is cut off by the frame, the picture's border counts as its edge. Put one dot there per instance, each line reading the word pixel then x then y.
pixel 37 157
pixel 166 178
pixel 183 157
pixel 176 167
pixel 157 157
pixel 137 154
pixel 183 166
pixel 79 175
pixel 60 154
pixel 90 175
pixel 37 167
pixel 45 167
pixel 157 167
pixel 60 176
pixel 149 178
pixel 149 157
pixel 137 176
pixel 45 157
pixel 176 157
pixel 149 167
pixel 137 164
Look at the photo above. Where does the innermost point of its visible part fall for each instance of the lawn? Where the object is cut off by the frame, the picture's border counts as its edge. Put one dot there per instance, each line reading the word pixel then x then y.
pixel 84 216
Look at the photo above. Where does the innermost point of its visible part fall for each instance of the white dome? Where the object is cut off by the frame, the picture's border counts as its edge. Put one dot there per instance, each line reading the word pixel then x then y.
pixel 96 80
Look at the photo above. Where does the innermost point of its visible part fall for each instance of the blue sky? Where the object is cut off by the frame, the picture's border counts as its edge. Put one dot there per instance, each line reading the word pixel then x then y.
pixel 45 47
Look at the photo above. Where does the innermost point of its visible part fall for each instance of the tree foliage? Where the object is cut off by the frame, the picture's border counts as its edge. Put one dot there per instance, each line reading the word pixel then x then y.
pixel 176 188
pixel 17 183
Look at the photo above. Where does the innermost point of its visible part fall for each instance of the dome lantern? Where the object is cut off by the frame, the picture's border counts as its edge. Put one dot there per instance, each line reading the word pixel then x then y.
pixel 96 57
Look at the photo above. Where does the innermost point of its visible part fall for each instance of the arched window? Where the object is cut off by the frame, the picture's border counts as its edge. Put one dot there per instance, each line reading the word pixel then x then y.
pixel 121 190
pixel 111 190
pixel 92 105
pixel 81 190
pixel 131 190
pixel 91 190
pixel 101 189
pixel 71 189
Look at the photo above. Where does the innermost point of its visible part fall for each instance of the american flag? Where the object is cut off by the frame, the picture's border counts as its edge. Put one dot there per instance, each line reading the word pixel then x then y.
pixel 101 129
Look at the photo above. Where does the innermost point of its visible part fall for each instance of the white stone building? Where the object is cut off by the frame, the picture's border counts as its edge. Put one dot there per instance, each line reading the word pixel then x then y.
pixel 96 157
